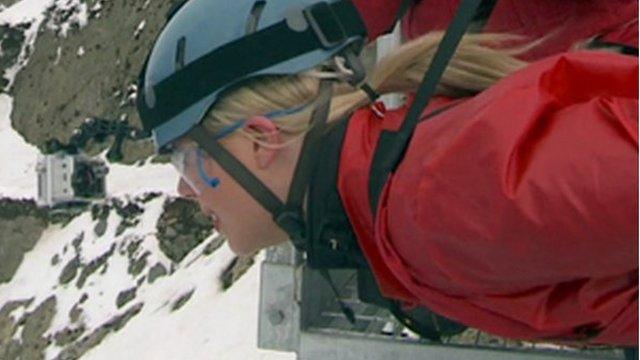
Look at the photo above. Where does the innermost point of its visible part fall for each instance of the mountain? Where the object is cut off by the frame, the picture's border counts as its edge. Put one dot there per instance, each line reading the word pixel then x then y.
pixel 138 275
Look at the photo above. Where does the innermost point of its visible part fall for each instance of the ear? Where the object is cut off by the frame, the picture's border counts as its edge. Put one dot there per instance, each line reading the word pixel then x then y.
pixel 264 154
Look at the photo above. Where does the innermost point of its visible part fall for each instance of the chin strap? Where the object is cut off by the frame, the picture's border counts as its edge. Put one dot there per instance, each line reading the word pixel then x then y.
pixel 291 218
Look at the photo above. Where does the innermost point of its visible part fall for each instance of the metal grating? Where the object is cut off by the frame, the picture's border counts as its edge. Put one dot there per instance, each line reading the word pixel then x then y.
pixel 299 313
pixel 377 323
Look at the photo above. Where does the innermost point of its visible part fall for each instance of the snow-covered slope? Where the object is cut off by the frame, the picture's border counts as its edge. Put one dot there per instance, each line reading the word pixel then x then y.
pixel 17 158
pixel 211 324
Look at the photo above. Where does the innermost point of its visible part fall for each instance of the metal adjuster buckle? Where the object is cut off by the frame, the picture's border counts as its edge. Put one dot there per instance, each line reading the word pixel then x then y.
pixel 325 24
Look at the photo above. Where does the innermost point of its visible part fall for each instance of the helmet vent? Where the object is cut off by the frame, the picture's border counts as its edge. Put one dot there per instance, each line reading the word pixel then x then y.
pixel 254 17
pixel 180 49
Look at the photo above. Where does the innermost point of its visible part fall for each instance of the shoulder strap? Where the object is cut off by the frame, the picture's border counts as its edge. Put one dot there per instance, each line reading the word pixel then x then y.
pixel 392 145
pixel 404 9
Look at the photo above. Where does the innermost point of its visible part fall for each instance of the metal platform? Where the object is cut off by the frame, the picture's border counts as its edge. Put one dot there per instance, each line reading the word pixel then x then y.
pixel 299 313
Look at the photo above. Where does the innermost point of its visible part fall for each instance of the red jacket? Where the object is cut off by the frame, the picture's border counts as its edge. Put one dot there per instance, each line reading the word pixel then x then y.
pixel 565 22
pixel 515 211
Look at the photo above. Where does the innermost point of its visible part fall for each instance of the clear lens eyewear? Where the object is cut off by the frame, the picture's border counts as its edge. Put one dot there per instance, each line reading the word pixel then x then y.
pixel 190 163
pixel 189 160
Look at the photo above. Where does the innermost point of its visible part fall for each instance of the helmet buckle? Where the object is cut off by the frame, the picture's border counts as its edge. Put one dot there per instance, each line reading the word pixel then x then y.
pixel 325 24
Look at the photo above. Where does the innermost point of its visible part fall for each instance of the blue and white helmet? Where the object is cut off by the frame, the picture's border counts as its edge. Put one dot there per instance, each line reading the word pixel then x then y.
pixel 208 46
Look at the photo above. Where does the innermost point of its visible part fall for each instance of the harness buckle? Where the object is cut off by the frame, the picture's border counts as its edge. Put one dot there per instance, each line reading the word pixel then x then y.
pixel 292 223
pixel 325 24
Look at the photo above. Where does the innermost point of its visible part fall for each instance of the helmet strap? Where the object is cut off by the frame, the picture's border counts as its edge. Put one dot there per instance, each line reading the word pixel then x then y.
pixel 289 216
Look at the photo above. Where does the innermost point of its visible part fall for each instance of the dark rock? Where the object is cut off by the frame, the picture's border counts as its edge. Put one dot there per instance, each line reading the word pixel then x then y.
pixel 121 228
pixel 236 268
pixel 55 260
pixel 129 214
pixel 158 270
pixel 21 226
pixel 75 313
pixel 100 212
pixel 12 350
pixel 64 214
pixel 170 233
pixel 94 265
pixel 136 266
pixel 104 268
pixel 149 196
pixel 202 219
pixel 183 299
pixel 125 296
pixel 178 232
pixel 132 247
pixel 68 335
pixel 69 271
pixel 213 245
pixel 11 41
pixel 100 228
pixel 80 347
pixel 77 241
pixel 109 50
pixel 8 327
pixel 36 324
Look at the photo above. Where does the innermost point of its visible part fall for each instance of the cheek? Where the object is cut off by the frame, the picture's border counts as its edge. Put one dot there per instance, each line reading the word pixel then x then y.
pixel 242 220
pixel 246 224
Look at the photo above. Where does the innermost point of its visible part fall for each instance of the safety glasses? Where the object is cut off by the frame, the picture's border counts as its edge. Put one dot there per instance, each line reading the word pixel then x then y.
pixel 190 159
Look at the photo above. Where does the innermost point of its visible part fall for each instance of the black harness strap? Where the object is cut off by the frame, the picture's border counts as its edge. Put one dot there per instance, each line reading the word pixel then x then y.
pixel 392 145
pixel 621 48
pixel 235 168
pixel 483 14
pixel 288 216
pixel 291 219
pixel 402 11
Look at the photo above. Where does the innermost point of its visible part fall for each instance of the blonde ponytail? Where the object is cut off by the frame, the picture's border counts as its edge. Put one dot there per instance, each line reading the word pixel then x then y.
pixel 478 63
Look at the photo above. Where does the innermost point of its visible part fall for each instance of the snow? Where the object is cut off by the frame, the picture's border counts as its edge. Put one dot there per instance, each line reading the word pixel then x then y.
pixel 58 55
pixel 134 180
pixel 97 6
pixel 24 11
pixel 139 29
pixel 18 158
pixel 211 325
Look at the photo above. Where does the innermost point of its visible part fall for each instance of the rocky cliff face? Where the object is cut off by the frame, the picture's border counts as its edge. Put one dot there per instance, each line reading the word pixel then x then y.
pixel 84 63
pixel 21 225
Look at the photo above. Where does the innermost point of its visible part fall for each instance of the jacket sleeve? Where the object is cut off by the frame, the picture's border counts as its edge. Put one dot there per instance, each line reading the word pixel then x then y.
pixel 378 15
pixel 558 24
pixel 517 211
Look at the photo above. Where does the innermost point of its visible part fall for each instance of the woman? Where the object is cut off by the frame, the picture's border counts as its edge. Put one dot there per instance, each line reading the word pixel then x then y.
pixel 514 209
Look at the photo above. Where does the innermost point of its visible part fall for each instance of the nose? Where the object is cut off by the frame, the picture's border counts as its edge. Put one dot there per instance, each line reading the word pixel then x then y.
pixel 185 190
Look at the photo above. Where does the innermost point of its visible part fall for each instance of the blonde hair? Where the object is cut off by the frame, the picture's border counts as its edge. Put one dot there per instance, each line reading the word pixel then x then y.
pixel 479 62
